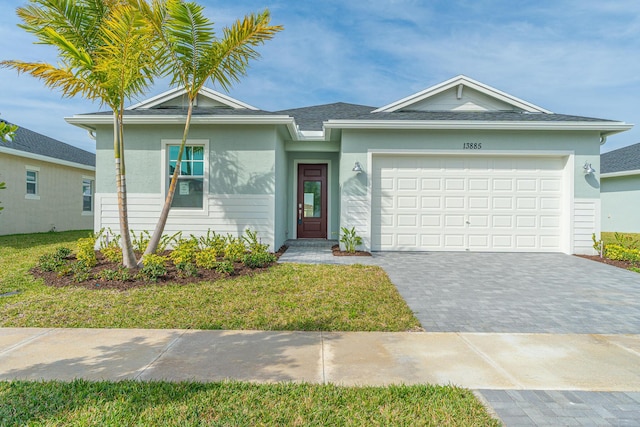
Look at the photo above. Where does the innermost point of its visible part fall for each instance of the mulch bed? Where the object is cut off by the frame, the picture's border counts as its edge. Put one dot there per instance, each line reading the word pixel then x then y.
pixel 51 278
pixel 337 252
pixel 616 263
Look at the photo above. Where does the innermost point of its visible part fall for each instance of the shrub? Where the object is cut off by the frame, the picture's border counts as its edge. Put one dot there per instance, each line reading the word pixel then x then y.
pixel 49 262
pixel 234 250
pixel 154 267
pixel 55 261
pixel 350 239
pixel 108 238
pixel 122 273
pixel 80 271
pixel 166 240
pixel 258 259
pixel 213 241
pixel 86 252
pixel 140 242
pixel 254 245
pixel 225 267
pixel 187 269
pixel 207 258
pixel 113 252
pixel 618 252
pixel 185 252
pixel 625 241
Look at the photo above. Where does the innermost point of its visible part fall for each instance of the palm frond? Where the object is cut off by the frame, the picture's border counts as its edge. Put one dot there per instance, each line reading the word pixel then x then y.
pixel 76 21
pixel 64 79
pixel 229 58
pixel 190 34
pixel 126 59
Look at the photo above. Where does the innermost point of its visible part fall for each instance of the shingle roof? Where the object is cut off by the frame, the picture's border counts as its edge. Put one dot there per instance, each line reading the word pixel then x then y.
pixel 311 118
pixel 622 159
pixel 32 142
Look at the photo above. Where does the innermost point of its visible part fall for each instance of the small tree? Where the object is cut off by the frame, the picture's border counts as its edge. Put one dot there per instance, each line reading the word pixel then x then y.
pixel 106 53
pixel 193 55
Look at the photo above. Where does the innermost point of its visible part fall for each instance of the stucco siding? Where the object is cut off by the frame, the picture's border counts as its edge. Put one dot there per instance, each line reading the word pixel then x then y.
pixel 58 204
pixel 241 161
pixel 620 198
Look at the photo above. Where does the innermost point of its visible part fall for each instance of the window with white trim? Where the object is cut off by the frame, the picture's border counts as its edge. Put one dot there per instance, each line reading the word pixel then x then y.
pixel 32 182
pixel 190 186
pixel 87 195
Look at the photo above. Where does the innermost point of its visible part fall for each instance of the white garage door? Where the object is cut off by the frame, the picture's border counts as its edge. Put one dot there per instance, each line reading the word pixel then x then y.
pixel 480 203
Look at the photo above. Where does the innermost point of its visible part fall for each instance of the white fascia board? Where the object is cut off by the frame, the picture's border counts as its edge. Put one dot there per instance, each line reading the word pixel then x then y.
pixel 177 92
pixel 90 121
pixel 47 159
pixel 620 173
pixel 158 99
pixel 466 81
pixel 607 128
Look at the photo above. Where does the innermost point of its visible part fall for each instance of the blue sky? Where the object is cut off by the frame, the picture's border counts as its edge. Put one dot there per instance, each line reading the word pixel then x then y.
pixel 577 57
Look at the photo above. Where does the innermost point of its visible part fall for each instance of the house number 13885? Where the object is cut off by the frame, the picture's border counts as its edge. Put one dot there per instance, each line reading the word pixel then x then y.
pixel 471 145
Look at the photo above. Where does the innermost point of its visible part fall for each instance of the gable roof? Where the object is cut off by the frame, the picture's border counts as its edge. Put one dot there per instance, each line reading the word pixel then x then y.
pixel 458 103
pixel 620 162
pixel 176 98
pixel 495 99
pixel 28 143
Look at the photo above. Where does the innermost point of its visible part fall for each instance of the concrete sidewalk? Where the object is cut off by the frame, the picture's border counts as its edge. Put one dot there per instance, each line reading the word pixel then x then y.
pixel 472 360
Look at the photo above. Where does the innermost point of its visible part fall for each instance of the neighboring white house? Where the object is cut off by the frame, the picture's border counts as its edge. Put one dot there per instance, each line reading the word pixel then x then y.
pixel 50 185
pixel 620 189
pixel 460 166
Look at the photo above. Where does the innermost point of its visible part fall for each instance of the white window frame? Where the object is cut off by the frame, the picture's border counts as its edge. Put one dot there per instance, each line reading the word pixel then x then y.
pixel 92 185
pixel 165 179
pixel 36 171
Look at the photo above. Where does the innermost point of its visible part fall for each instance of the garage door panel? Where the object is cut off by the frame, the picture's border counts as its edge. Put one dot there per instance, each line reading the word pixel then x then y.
pixel 433 184
pixel 467 203
pixel 407 184
pixel 503 184
pixel 431 221
pixel 454 184
pixel 454 202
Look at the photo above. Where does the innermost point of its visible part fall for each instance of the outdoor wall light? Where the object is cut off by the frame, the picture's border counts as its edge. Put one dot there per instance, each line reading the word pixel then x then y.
pixel 587 168
pixel 357 168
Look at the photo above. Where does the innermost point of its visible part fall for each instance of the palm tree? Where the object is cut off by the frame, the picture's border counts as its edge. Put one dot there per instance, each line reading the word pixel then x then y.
pixel 104 52
pixel 193 55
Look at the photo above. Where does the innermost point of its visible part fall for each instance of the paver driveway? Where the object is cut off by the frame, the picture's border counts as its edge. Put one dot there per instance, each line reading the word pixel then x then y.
pixel 515 292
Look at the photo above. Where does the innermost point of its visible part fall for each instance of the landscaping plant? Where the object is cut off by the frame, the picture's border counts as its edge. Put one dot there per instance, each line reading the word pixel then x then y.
pixel 350 239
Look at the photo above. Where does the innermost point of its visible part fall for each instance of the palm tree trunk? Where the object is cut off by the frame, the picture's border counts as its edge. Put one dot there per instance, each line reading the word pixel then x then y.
pixel 128 257
pixel 154 241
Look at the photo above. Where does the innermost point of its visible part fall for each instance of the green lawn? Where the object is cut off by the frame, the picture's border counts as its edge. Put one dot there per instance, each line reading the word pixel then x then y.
pixel 235 404
pixel 287 297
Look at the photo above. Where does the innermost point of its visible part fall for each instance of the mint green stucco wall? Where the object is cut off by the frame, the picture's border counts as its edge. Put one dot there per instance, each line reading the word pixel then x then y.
pixel 620 198
pixel 357 143
pixel 333 158
pixel 241 158
pixel 281 167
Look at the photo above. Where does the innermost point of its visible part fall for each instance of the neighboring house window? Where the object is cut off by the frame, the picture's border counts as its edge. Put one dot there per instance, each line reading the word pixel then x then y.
pixel 189 191
pixel 87 195
pixel 32 183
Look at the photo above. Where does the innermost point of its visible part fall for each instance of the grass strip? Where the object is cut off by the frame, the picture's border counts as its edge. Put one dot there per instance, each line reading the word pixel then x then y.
pixel 81 403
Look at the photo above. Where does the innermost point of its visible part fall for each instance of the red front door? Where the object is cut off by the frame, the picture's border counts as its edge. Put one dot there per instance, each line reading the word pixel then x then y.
pixel 311 206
